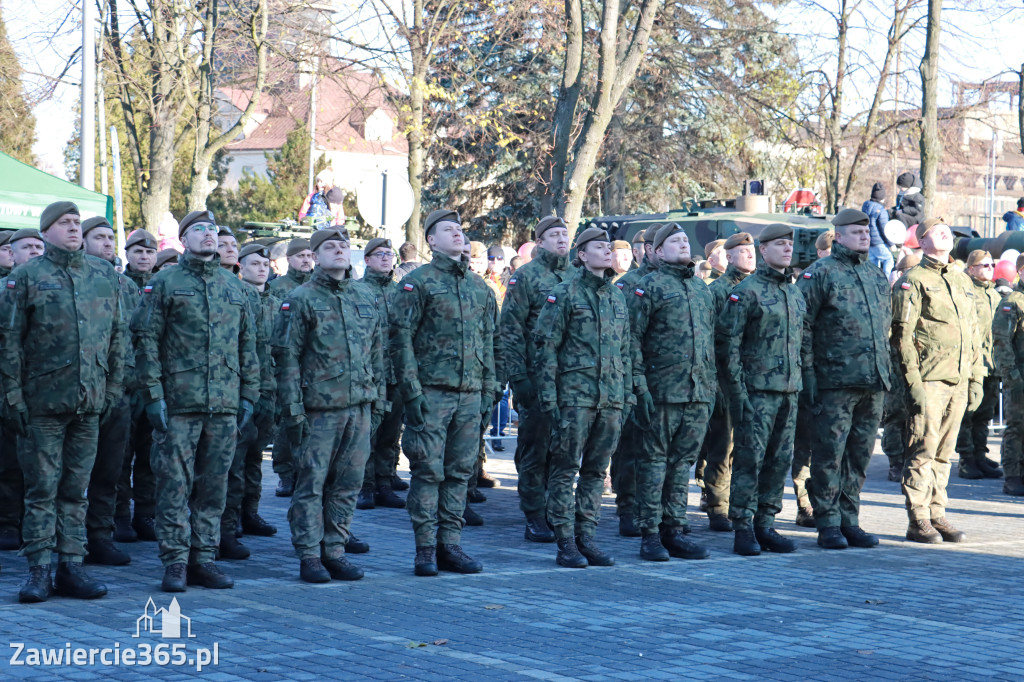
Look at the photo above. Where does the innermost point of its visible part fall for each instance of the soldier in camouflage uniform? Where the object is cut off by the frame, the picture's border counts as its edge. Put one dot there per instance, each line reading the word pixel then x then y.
pixel 525 296
pixel 6 254
pixel 62 342
pixel 329 347
pixel 300 265
pixel 936 338
pixel 196 363
pixel 972 443
pixel 716 254
pixel 758 338
pixel 12 489
pixel 895 418
pixel 1008 351
pixel 165 259
pixel 672 327
pixel 442 350
pixel 845 375
pixel 714 468
pixel 26 244
pixel 581 349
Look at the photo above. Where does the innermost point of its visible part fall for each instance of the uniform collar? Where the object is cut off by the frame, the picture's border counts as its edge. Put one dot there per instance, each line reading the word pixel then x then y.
pixel 135 274
pixel 323 279
pixel 681 271
pixel 773 275
pixel 297 275
pixel 63 257
pixel 982 284
pixel 847 255
pixel 734 274
pixel 378 277
pixel 198 266
pixel 933 263
pixel 550 259
pixel 590 280
pixel 448 264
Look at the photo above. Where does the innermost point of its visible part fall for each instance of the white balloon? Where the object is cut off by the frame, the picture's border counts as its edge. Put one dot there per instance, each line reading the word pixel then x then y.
pixel 1010 256
pixel 896 231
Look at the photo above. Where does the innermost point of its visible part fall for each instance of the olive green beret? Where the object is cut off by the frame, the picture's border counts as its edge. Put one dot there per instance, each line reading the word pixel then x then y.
pixel 94 222
pixel 546 223
pixel 320 236
pixel 666 231
pixel 738 239
pixel 824 240
pixel 850 216
pixel 224 231
pixel 165 257
pixel 54 211
pixel 434 217
pixel 711 247
pixel 375 244
pixel 638 238
pixel 141 237
pixel 254 248
pixel 925 225
pixel 908 261
pixel 619 244
pixel 297 246
pixel 5 236
pixel 591 234
pixel 775 231
pixel 26 233
pixel 976 256
pixel 651 232
pixel 195 218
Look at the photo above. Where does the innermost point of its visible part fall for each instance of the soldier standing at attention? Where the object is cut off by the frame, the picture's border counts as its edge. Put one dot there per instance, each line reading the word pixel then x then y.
pixel 581 352
pixel 26 244
pixel 895 419
pixel 714 468
pixel 442 348
pixel 63 350
pixel 6 254
pixel 330 374
pixel 12 490
pixel 140 251
pixel 1008 335
pixel 936 337
pixel 715 253
pixel 845 376
pixel 195 358
pixel 672 324
pixel 300 265
pixel 227 249
pixel 972 443
pixel 527 291
pixel 759 334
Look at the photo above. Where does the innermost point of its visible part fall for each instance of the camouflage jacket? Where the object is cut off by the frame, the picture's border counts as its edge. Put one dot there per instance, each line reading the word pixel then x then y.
pixel 722 286
pixel 1008 338
pixel 4 271
pixel 581 345
pixel 195 341
pixel 627 283
pixel 140 278
pixel 986 303
pixel 759 333
pixel 493 315
pixel 441 332
pixel 672 323
pixel 935 330
pixel 286 283
pixel 63 334
pixel 329 346
pixel 846 328
pixel 129 299
pixel 384 289
pixel 263 306
pixel 524 299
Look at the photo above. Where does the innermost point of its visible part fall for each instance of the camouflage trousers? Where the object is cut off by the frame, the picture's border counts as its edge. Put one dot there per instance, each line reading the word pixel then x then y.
pixel 582 443
pixel 328 469
pixel 442 455
pixel 803 448
pixel 624 465
pixel 972 441
pixel 384 443
pixel 245 477
pixel 56 459
pixel 12 485
pixel 663 464
pixel 845 429
pixel 932 444
pixel 717 452
pixel 111 452
pixel 1012 451
pixel 281 455
pixel 191 460
pixel 761 458
pixel 531 458
pixel 896 424
pixel 137 482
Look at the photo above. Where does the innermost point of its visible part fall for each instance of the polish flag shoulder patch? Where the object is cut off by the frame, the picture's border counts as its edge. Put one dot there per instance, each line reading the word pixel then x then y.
pixel 618 284
pixel 286 306
pixel 512 281
pixel 807 275
pixel 11 284
pixel 1007 308
pixel 551 299
pixel 148 289
pixel 639 292
pixel 408 287
pixel 905 286
pixel 734 297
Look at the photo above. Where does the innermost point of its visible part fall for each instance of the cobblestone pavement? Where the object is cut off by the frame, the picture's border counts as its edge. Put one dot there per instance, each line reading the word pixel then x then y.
pixel 898 611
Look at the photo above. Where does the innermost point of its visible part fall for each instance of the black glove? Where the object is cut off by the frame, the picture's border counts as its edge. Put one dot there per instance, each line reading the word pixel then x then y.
pixel 524 392
pixel 811 388
pixel 740 408
pixel 156 413
pixel 297 431
pixel 644 411
pixel 110 401
pixel 414 411
pixel 554 415
pixel 245 410
pixel 16 419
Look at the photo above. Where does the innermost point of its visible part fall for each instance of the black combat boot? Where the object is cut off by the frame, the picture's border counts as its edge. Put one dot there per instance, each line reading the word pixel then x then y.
pixel 145 528
pixel 356 546
pixel 10 539
pixel 537 530
pixel 857 537
pixel 896 473
pixel 744 543
pixel 922 531
pixel 73 581
pixel 589 549
pixel 231 548
pixel 38 587
pixel 174 578
pixel 471 518
pixel 123 531
pixel 569 555
pixel 679 546
pixel 719 523
pixel 988 467
pixel 703 500
pixel 254 524
pixel 805 517
pixel 399 484
pixel 386 497
pixel 831 537
pixel 426 561
pixel 312 570
pixel 208 575
pixel 627 526
pixel 969 469
pixel 365 499
pixel 1013 485
pixel 105 553
pixel 947 531
pixel 651 548
pixel 341 569
pixel 450 557
pixel 770 539
pixel 475 496
pixel 285 487
pixel 485 480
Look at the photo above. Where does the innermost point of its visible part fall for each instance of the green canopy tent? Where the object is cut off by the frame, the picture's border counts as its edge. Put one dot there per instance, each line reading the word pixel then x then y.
pixel 25 191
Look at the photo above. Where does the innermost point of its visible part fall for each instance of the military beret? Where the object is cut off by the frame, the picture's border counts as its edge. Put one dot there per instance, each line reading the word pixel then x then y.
pixel 850 216
pixel 165 257
pixel 54 211
pixel 195 218
pixel 251 248
pixel 477 250
pixel 976 256
pixel 5 236
pixel 638 238
pixel 775 231
pixel 620 244
pixel 591 234
pixel 546 223
pixel 320 236
pixel 704 266
pixel 277 250
pixel 224 231
pixel 651 232
pixel 666 231
pixel 925 226
pixel 141 237
pixel 908 261
pixel 94 222
pixel 375 244
pixel 434 217
pixel 824 240
pixel 26 233
pixel 298 245
pixel 738 239
pixel 495 251
pixel 711 247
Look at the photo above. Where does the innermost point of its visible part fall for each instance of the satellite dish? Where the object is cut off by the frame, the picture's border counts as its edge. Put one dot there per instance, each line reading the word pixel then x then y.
pixel 384 200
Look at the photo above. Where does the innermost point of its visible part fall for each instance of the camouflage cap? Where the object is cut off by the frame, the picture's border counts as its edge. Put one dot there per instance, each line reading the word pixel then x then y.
pixel 591 234
pixel 775 231
pixel 224 231
pixel 620 244
pixel 195 218
pixel 254 248
pixel 925 226
pixel 434 217
pixel 331 233
pixel 546 223
pixel 908 261
pixel 298 245
pixel 477 250
pixel 738 239
pixel 5 236
pixel 824 240
pixel 976 256
pixel 93 223
pixel 165 257
pixel 711 247
pixel 26 233
pixel 141 237
pixel 666 231
pixel 850 216
pixel 54 211
pixel 375 244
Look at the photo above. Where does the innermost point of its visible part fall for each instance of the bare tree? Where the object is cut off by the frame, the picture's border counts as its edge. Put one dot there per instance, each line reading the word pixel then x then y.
pixel 931 149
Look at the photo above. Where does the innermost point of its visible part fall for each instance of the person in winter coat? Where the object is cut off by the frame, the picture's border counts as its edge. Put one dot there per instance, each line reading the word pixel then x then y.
pixel 880 253
pixel 1015 219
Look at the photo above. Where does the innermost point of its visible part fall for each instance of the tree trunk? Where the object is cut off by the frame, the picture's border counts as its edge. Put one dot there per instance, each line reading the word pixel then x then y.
pixel 1020 109
pixel 835 123
pixel 565 108
pixel 930 146
pixel 417 84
